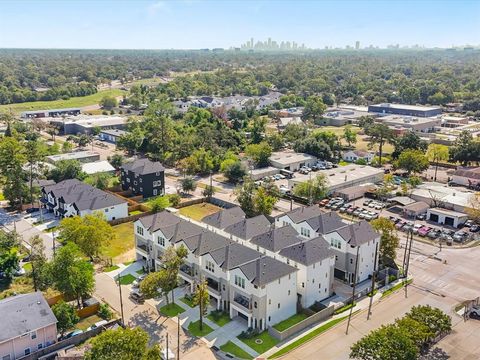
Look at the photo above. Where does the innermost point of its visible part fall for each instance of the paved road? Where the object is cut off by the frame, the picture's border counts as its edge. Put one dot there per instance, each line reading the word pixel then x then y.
pixel 435 283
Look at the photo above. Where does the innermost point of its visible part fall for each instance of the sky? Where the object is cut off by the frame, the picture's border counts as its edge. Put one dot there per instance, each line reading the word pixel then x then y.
pixel 194 24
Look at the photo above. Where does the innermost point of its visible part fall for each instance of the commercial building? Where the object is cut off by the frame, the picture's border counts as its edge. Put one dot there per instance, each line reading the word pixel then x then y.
pixel 257 174
pixel 355 155
pixel 447 217
pixel 81 156
pixel 343 177
pixel 400 124
pixel 291 161
pixel 112 135
pixel 84 124
pixel 439 195
pixel 466 176
pixel 50 113
pixel 403 109
pixel 143 177
pixel 98 167
pixel 28 325
pixel 72 197
pixel 343 115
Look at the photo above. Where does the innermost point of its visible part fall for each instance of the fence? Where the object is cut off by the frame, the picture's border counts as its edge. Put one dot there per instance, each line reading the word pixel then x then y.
pixel 129 218
pixel 88 311
pixel 190 202
pixel 222 203
pixel 302 325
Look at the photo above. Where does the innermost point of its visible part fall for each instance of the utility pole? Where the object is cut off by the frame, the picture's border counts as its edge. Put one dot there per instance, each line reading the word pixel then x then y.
pixel 353 291
pixel 53 243
pixel 373 283
pixel 405 256
pixel 310 185
pixel 121 298
pixel 178 337
pixel 408 263
pixel 166 352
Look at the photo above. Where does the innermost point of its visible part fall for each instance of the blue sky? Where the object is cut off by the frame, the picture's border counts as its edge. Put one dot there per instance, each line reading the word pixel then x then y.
pixel 186 24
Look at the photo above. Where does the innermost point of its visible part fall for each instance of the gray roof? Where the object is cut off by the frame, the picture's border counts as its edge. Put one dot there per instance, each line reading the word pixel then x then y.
pixel 143 166
pixel 234 255
pixel 358 233
pixel 304 213
pixel 308 252
pixel 277 239
pixel 205 242
pixel 264 270
pixel 114 132
pixel 225 218
pixel 159 220
pixel 320 221
pixel 248 228
pixel 83 196
pixel 24 313
pixel 173 227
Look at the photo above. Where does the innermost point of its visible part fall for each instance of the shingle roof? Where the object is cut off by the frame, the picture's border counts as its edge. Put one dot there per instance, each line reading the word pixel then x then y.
pixel 224 218
pixel 277 239
pixel 308 252
pixel 205 242
pixel 326 222
pixel 84 196
pixel 143 166
pixel 358 233
pixel 304 213
pixel 264 270
pixel 234 255
pixel 248 228
pixel 24 313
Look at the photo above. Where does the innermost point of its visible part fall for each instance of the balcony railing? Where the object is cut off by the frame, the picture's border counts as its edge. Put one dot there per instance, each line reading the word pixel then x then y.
pixel 243 301
pixel 142 247
pixel 186 269
pixel 213 285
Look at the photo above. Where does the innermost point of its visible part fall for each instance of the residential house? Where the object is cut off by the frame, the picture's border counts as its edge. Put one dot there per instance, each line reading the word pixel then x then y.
pixel 73 197
pixel 28 325
pixel 355 155
pixel 143 177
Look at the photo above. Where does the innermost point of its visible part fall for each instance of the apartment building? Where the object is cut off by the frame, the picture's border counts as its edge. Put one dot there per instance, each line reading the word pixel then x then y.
pixel 346 240
pixel 143 177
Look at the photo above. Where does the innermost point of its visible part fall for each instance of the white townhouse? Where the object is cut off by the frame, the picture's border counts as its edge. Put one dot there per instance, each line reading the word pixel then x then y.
pixel 344 239
pixel 72 197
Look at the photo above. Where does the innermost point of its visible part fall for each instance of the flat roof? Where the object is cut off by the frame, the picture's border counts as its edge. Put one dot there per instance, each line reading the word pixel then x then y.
pixel 408 107
pixel 114 132
pixel 51 110
pixel 407 120
pixel 286 158
pixel 97 167
pixel 73 155
pixel 94 120
pixel 265 170
pixel 448 212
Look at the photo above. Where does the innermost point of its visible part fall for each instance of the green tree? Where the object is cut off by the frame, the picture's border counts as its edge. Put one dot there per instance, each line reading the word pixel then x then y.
pixel 91 233
pixel 171 260
pixel 412 161
pixel 419 333
pixel 312 189
pixel 314 108
pixel 156 284
pixel 67 169
pixel 201 298
pixel 66 316
pixel 116 160
pixel 433 318
pixel 209 191
pixel 159 129
pixel 38 260
pixel 9 262
pixel 233 169
pixel 255 201
pixel 122 344
pixel 67 147
pixel 159 203
pixel 108 102
pixel 389 239
pixel 259 153
pixel 379 134
pixel 408 141
pixel 349 136
pixel 465 150
pixel 201 161
pixel 34 154
pixel 188 184
pixel 12 158
pixel 258 127
pixel 104 312
pixel 437 153
pixel 294 132
pixel 99 180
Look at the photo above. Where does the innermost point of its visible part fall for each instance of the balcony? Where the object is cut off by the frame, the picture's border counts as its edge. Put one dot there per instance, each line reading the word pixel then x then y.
pixel 142 247
pixel 187 270
pixel 213 286
pixel 242 301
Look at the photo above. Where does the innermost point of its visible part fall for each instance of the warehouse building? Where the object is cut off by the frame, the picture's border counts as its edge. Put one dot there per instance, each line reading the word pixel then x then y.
pixel 82 156
pixel 291 161
pixel 85 124
pixel 403 109
pixel 50 113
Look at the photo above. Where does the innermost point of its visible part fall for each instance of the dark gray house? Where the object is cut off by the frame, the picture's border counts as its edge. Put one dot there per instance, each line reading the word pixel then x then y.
pixel 144 177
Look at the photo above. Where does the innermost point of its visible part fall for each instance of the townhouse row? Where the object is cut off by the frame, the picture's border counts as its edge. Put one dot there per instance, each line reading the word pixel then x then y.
pixel 259 271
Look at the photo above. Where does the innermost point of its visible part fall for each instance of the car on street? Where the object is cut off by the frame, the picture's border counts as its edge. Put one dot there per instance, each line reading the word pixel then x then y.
pixel 136 296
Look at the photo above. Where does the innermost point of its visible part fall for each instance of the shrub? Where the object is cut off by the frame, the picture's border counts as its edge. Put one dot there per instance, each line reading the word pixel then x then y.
pixel 391 278
pixel 249 333
pixel 104 312
pixel 174 199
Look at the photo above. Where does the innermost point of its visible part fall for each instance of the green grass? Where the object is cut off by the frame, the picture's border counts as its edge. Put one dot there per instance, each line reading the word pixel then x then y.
pixel 187 301
pixel 60 104
pixel 110 268
pixel 236 351
pixel 268 342
pixel 292 320
pixel 220 318
pixel 2 197
pixel 85 323
pixel 395 288
pixel 135 212
pixel 127 279
pixel 140 272
pixel 344 308
pixel 307 337
pixel 343 163
pixel 171 310
pixel 128 262
pixel 194 329
pixel 124 241
pixel 27 267
pixel 199 211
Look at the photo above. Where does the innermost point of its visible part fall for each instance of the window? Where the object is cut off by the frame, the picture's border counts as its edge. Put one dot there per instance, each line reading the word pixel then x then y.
pixel 106 210
pixel 128 180
pixel 239 281
pixel 313 281
pixel 39 346
pixel 157 183
pixel 223 287
pixel 278 306
pixel 303 284
pixel 34 335
pixel 269 318
pixel 255 304
pixel 351 261
pixel 141 180
pixel 139 230
pixel 210 266
pixel 161 241
pixel 141 188
pixel 269 301
pixel 305 232
pixel 135 182
pixel 27 351
pixel 279 281
pixel 336 243
pixel 288 292
pixel 336 257
pixel 154 192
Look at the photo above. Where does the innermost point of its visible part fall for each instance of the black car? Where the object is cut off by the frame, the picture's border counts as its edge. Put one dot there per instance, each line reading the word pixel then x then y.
pixel 475 228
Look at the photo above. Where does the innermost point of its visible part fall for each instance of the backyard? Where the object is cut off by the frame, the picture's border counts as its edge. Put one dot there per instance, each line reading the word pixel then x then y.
pixel 199 211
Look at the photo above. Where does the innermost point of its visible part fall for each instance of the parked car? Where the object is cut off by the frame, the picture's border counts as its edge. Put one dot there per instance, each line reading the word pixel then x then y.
pixel 407 227
pixel 73 333
pixel 416 228
pixel 137 281
pixel 434 233
pixel 358 211
pixel 400 224
pixel 422 216
pixel 345 207
pixel 367 202
pixel 469 223
pixel 424 230
pixel 324 202
pixel 97 325
pixel 460 236
pixel 136 296
pixel 352 209
pixel 475 228
pixel 364 214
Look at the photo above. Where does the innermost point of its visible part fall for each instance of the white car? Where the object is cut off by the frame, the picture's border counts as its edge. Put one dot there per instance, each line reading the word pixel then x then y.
pixel 98 324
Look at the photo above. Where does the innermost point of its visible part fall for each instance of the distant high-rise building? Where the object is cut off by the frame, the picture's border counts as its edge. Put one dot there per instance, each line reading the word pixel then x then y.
pixel 251 43
pixel 357 45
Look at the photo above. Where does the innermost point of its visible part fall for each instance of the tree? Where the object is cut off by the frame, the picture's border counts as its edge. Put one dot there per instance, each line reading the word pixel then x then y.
pixel 437 153
pixel 156 284
pixel 188 184
pixel 314 108
pixel 159 203
pixel 91 233
pixel 465 150
pixel 100 180
pixel 313 146
pixel 386 343
pixel 9 262
pixel 201 298
pixel 294 132
pixel 258 129
pixel 33 154
pixel 233 169
pixel 108 102
pixel 38 260
pixel 412 161
pixel 379 134
pixel 435 319
pixel 255 201
pixel 67 169
pixel 201 161
pixel 259 153
pixel 419 333
pixel 409 141
pixel 12 158
pixel 171 261
pixel 312 189
pixel 67 147
pixel 116 160
pixel 349 136
pixel 209 191
pixel 66 316
pixel 104 312
pixel 52 130
pixel 389 239
pixel 122 344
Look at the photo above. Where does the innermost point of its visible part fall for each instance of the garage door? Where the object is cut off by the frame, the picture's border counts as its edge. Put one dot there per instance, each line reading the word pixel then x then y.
pixel 449 221
pixel 243 316
pixel 434 217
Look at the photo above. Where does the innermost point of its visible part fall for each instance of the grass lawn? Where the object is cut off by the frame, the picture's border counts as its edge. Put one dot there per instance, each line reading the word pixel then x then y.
pixel 395 288
pixel 204 186
pixel 171 310
pixel 187 301
pixel 110 268
pixel 307 337
pixel 199 211
pixel 268 342
pixel 21 285
pixel 344 308
pixel 127 279
pixel 220 318
pixel 83 324
pixel 292 320
pixel 135 212
pixel 194 329
pixel 236 351
pixel 140 271
pixel 123 242
pixel 2 197
pixel 27 267
pixel 60 104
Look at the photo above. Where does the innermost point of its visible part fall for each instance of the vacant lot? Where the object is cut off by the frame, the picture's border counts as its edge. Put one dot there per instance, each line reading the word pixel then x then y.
pixel 123 242
pixel 199 211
